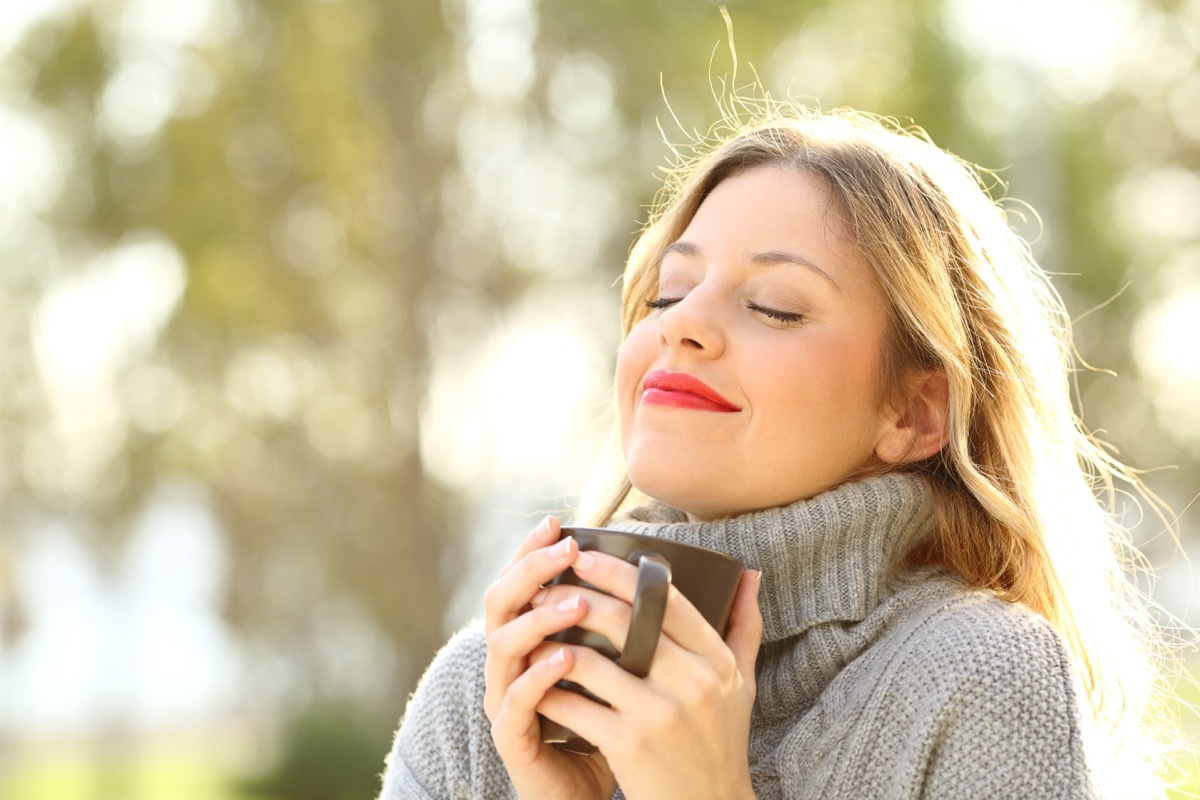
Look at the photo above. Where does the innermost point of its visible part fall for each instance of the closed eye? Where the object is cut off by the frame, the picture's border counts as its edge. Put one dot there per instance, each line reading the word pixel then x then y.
pixel 786 317
pixel 663 302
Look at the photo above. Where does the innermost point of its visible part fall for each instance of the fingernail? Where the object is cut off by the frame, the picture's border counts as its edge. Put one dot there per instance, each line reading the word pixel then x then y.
pixel 757 579
pixel 584 561
pixel 560 655
pixel 568 605
pixel 538 598
pixel 562 548
pixel 544 525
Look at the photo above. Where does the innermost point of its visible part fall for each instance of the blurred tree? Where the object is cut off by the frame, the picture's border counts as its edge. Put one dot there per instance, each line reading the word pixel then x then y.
pixel 291 180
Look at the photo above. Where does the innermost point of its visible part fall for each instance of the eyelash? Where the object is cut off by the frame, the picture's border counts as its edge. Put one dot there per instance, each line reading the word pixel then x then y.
pixel 786 317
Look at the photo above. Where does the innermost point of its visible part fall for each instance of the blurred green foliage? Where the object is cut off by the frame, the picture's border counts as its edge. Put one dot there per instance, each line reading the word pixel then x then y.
pixel 328 753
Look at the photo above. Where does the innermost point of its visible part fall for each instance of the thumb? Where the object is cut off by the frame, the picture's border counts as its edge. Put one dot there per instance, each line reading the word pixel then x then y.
pixel 745 623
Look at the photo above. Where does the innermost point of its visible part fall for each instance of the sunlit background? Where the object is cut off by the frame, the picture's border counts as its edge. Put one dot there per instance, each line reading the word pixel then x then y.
pixel 307 314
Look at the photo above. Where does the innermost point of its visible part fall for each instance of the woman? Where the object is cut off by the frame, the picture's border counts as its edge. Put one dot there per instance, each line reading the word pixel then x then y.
pixel 841 366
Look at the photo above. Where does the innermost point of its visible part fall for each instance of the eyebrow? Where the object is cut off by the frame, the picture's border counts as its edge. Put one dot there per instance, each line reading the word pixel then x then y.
pixel 769 258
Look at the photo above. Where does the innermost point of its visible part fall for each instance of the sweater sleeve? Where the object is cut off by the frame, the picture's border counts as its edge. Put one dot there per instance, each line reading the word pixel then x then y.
pixel 989 702
pixel 443 749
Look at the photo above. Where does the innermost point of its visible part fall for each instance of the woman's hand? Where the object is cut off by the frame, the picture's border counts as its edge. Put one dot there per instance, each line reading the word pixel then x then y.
pixel 683 730
pixel 521 668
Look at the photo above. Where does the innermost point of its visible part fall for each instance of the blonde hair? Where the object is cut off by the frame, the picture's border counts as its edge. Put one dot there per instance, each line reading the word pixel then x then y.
pixel 1017 485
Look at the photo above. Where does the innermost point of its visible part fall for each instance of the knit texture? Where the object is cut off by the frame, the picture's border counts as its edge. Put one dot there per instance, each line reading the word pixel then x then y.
pixel 872 682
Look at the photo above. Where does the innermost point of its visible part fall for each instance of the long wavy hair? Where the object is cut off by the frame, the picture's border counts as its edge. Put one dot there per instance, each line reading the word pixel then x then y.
pixel 1022 489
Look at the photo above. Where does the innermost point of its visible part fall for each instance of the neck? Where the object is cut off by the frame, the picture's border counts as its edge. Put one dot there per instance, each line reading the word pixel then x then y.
pixel 827 558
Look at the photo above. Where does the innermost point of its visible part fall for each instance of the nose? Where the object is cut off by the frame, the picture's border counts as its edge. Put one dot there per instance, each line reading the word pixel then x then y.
pixel 693 324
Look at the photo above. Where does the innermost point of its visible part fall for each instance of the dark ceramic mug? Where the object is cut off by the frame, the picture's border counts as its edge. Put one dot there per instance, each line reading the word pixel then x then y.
pixel 707 578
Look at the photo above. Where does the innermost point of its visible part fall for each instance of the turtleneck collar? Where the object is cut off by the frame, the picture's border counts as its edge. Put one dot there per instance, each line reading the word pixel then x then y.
pixel 825 559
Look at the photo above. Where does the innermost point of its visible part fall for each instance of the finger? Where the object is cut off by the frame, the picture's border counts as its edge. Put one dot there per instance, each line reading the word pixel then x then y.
pixel 610 617
pixel 627 701
pixel 544 533
pixel 594 721
pixel 682 623
pixel 597 723
pixel 515 728
pixel 505 599
pixel 556 593
pixel 511 647
pixel 606 615
pixel 744 635
pixel 519 638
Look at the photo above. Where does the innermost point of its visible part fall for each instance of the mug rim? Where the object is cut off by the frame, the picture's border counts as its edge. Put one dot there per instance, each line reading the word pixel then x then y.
pixel 565 530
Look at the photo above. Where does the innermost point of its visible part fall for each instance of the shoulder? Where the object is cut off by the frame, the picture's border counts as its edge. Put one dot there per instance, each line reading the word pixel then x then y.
pixel 993 689
pixel 454 679
pixel 461 659
pixel 443 748
pixel 982 649
pixel 974 633
pixel 453 682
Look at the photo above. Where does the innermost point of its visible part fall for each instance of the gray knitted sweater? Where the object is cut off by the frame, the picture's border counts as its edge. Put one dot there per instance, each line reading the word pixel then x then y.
pixel 871 684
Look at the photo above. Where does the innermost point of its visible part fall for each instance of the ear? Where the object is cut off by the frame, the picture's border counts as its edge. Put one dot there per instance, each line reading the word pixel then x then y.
pixel 919 426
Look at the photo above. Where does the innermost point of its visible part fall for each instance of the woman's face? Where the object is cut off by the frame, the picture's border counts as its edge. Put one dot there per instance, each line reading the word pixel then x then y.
pixel 755 380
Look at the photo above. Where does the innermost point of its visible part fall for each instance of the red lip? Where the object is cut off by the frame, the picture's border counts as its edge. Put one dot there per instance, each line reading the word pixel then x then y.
pixel 680 390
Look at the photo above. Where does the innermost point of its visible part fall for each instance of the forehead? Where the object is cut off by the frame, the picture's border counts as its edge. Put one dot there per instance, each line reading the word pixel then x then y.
pixel 775 194
pixel 776 209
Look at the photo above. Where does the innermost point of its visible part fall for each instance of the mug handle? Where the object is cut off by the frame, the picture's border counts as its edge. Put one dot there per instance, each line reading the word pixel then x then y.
pixel 649 608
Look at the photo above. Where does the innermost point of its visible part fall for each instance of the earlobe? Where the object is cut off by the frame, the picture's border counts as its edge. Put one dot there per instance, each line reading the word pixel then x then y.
pixel 920 427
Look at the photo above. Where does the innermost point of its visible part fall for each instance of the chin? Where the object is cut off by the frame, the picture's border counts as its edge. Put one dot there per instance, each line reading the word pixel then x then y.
pixel 696 498
pixel 675 487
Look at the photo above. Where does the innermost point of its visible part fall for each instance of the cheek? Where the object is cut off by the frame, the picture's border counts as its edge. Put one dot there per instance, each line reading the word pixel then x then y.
pixel 830 397
pixel 637 351
pixel 633 362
